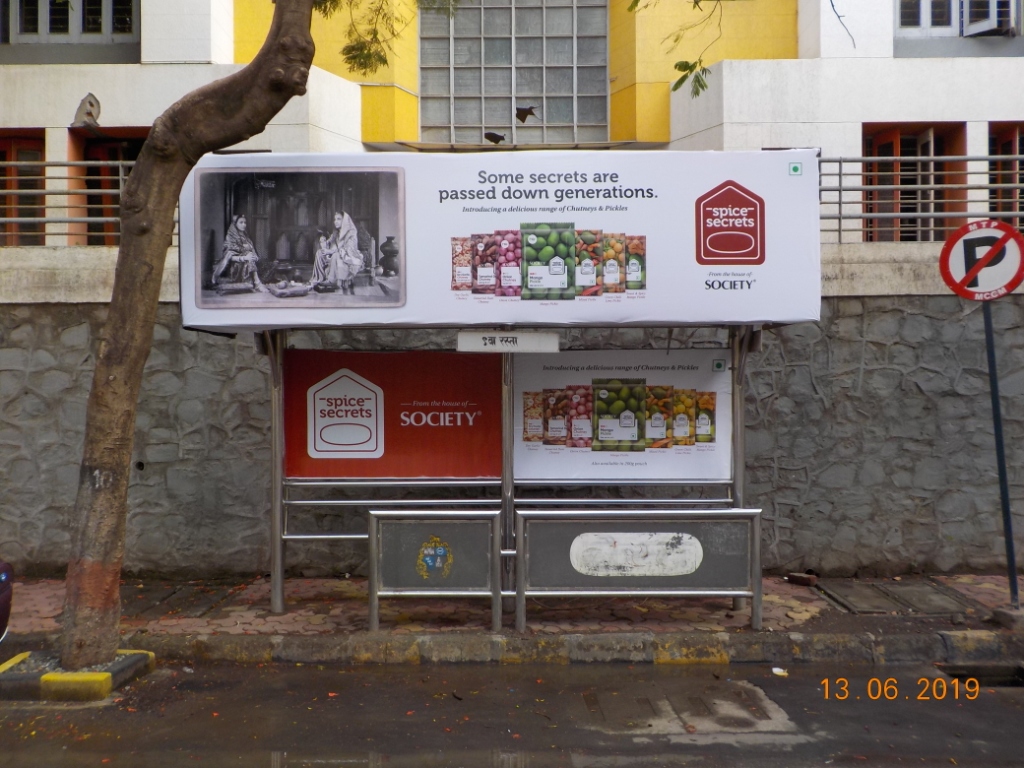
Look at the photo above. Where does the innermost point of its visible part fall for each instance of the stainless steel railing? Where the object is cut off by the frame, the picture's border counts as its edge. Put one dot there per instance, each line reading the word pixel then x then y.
pixel 916 199
pixel 863 199
pixel 71 203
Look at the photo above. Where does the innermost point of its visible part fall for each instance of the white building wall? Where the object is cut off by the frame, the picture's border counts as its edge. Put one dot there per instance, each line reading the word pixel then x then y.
pixel 222 25
pixel 868 31
pixel 824 102
pixel 327 118
pixel 181 31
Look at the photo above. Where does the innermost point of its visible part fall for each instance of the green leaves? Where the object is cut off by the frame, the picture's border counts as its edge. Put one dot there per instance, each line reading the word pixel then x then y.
pixel 697 71
pixel 365 56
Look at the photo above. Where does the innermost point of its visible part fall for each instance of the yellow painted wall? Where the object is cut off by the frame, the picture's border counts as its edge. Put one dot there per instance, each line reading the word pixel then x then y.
pixel 642 52
pixel 389 112
pixel 641 58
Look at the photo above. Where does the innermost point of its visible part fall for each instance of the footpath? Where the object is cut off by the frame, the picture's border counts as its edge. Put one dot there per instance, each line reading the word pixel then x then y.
pixel 937 619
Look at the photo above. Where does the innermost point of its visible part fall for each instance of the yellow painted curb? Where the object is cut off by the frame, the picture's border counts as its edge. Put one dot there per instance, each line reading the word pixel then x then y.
pixel 13 661
pixel 76 686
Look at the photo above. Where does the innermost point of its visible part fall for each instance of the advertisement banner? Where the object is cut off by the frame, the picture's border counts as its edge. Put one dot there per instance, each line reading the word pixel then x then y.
pixel 408 415
pixel 500 238
pixel 623 416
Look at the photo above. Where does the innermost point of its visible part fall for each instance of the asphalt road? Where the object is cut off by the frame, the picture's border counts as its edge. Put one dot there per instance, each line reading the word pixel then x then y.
pixel 487 716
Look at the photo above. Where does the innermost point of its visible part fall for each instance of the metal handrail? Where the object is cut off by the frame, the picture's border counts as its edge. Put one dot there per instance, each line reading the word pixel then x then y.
pixel 73 203
pixel 77 202
pixel 924 200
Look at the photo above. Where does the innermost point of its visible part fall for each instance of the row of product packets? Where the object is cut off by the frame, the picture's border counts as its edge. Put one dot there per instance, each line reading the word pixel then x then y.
pixel 619 415
pixel 549 262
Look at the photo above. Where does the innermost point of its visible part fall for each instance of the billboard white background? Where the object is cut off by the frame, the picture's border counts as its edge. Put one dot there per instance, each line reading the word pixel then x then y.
pixel 650 194
pixel 686 369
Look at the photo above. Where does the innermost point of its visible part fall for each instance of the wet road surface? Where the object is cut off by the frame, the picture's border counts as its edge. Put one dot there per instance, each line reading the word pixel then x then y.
pixel 584 716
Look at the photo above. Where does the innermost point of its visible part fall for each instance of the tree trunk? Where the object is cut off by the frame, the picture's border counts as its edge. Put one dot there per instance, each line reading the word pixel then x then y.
pixel 217 115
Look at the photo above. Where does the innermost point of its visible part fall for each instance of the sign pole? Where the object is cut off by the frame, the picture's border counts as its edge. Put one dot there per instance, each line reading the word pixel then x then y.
pixel 984 261
pixel 1004 486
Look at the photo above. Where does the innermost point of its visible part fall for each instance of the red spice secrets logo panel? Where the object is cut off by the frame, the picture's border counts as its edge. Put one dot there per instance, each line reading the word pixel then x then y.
pixel 730 226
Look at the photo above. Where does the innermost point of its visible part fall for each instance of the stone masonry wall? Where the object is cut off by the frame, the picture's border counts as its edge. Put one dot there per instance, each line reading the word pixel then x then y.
pixel 869 439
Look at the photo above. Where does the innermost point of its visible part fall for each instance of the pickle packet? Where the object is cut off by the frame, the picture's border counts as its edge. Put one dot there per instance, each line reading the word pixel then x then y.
pixel 706 417
pixel 588 262
pixel 684 418
pixel 548 261
pixel 636 262
pixel 533 417
pixel 620 414
pixel 658 431
pixel 462 264
pixel 485 256
pixel 556 416
pixel 613 263
pixel 581 413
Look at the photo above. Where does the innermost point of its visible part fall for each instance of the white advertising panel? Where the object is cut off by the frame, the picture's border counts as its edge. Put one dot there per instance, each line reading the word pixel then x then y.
pixel 623 416
pixel 500 238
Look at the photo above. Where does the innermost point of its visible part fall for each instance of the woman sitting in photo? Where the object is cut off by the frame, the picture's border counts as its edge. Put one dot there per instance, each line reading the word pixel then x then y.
pixel 237 272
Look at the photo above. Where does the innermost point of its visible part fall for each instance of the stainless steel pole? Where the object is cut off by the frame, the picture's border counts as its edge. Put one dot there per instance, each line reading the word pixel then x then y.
pixel 374 574
pixel 740 337
pixel 507 481
pixel 275 346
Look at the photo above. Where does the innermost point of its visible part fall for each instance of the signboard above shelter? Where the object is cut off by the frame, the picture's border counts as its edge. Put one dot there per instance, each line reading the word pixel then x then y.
pixel 500 238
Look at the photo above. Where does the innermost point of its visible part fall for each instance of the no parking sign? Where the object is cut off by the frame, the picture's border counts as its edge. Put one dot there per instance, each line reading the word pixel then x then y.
pixel 983 260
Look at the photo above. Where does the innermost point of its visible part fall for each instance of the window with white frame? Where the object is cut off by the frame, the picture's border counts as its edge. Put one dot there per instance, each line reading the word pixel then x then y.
pixel 515 72
pixel 69 21
pixel 956 18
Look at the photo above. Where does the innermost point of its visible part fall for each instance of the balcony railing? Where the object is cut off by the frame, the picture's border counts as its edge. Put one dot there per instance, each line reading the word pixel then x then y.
pixel 70 203
pixel 863 199
pixel 916 199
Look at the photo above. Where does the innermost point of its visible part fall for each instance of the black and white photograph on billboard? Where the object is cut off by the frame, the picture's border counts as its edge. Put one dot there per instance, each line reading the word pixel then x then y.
pixel 316 238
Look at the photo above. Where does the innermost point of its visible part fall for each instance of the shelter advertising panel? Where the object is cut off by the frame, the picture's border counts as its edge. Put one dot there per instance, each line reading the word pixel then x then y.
pixel 527 238
pixel 624 416
pixel 402 415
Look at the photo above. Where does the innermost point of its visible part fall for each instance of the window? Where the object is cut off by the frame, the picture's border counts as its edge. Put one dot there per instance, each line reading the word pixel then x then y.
pixel 515 72
pixel 955 18
pixel 19 205
pixel 1006 173
pixel 111 161
pixel 69 21
pixel 909 190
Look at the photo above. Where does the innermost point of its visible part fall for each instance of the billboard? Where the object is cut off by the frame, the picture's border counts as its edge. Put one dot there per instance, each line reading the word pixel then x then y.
pixel 630 416
pixel 500 238
pixel 402 415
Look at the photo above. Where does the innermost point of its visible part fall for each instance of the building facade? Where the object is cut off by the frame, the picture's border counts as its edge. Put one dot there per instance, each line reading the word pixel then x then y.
pixel 870 444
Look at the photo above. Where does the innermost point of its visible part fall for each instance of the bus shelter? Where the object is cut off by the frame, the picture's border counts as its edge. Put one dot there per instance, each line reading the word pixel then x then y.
pixel 510 468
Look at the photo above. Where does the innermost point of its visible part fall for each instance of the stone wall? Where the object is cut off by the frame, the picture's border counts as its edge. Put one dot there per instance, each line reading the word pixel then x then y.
pixel 869 440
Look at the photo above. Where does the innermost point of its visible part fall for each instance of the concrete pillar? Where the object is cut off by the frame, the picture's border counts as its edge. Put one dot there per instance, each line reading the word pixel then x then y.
pixel 56 151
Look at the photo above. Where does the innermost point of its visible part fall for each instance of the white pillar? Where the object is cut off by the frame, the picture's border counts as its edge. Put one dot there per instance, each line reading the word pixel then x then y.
pixel 56 151
pixel 977 170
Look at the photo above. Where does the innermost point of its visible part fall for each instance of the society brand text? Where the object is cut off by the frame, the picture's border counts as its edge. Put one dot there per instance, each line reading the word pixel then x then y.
pixel 438 418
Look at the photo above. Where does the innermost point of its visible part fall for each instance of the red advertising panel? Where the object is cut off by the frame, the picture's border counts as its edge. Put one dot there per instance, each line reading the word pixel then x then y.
pixel 403 415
